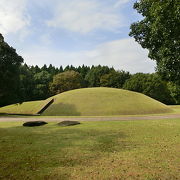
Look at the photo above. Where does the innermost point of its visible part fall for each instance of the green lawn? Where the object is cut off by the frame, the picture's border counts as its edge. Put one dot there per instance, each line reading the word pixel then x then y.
pixel 93 150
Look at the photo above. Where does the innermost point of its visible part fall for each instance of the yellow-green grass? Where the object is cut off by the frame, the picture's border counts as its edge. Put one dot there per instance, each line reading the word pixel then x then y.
pixel 25 108
pixel 176 108
pixel 134 150
pixel 103 102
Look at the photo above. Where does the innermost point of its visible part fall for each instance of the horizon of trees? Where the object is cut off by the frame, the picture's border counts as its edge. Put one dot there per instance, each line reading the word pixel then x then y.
pixel 37 83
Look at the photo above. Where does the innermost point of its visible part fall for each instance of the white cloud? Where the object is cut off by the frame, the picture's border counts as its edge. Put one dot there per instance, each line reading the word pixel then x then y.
pixel 125 54
pixel 13 16
pixel 121 54
pixel 84 16
pixel 121 2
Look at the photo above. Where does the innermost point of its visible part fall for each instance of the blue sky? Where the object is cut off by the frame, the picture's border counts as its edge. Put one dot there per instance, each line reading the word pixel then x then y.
pixel 76 32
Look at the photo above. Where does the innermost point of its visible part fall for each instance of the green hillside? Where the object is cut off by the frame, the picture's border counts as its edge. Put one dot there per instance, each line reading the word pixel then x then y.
pixel 103 102
pixel 26 108
pixel 91 102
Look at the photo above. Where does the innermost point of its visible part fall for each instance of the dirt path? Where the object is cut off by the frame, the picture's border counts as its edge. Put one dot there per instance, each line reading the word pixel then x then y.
pixel 122 118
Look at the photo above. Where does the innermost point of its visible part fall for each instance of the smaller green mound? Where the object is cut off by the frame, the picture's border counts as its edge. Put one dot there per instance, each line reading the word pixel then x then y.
pixel 26 108
pixel 103 102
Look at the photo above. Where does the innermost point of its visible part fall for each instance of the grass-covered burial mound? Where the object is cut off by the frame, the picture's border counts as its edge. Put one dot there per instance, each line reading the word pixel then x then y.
pixel 103 102
pixel 91 102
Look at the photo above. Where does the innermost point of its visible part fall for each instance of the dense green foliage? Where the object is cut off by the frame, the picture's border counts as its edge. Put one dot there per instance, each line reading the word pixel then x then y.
pixel 42 80
pixel 66 81
pixel 132 150
pixel 10 63
pixel 151 85
pixel 94 75
pixel 174 92
pixel 36 81
pixel 114 79
pixel 159 33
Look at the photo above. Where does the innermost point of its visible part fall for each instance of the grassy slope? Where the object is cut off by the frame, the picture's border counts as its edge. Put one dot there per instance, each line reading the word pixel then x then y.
pixel 31 107
pixel 103 102
pixel 92 150
pixel 176 108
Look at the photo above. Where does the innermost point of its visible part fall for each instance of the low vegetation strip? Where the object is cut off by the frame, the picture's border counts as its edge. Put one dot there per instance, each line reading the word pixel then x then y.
pixel 137 150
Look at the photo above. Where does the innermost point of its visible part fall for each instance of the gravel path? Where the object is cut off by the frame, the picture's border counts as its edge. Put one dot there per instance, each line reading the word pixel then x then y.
pixel 121 118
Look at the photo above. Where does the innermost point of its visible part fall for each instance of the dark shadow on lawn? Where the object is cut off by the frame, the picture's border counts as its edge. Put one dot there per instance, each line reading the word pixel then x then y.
pixel 3 114
pixel 16 115
pixel 62 109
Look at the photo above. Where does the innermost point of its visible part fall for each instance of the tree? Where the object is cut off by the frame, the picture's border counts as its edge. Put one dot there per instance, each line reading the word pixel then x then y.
pixel 94 75
pixel 42 80
pixel 159 33
pixel 150 85
pixel 27 82
pixel 44 68
pixel 174 92
pixel 65 81
pixel 34 69
pixel 83 70
pixel 60 70
pixel 10 63
pixel 51 70
pixel 115 79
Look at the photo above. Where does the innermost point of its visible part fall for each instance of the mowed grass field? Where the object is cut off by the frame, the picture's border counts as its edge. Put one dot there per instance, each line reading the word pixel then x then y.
pixel 147 150
pixel 92 102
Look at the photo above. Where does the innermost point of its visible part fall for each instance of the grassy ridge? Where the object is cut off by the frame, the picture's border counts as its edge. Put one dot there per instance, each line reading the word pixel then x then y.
pixel 92 150
pixel 29 108
pixel 103 102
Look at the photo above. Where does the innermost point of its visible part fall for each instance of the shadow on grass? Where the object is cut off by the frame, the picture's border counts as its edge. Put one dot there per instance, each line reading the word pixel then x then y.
pixel 17 115
pixel 50 147
pixel 3 114
pixel 62 109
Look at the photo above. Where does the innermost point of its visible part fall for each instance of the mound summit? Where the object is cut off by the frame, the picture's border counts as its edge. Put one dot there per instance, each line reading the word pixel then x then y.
pixel 93 102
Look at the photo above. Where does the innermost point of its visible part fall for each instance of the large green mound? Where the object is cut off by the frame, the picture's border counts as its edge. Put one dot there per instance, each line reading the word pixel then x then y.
pixel 91 102
pixel 103 102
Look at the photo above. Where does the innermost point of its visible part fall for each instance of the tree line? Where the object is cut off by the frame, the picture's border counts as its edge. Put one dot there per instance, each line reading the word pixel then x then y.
pixel 40 83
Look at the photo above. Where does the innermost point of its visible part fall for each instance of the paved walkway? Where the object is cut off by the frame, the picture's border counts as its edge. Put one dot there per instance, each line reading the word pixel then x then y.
pixel 120 118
